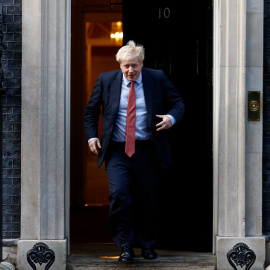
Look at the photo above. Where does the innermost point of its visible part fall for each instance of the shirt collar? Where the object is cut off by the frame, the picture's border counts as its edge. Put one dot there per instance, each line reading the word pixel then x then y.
pixel 127 82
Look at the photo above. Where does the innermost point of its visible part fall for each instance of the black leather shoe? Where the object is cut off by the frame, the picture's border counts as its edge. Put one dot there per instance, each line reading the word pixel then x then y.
pixel 149 254
pixel 127 255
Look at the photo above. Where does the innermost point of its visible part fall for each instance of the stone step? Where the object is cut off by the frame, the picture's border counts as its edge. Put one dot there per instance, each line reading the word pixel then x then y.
pixel 166 260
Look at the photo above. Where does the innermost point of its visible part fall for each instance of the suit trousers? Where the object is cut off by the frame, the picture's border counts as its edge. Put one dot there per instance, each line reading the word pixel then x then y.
pixel 133 184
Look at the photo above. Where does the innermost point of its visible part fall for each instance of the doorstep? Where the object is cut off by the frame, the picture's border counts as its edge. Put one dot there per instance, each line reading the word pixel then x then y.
pixel 106 257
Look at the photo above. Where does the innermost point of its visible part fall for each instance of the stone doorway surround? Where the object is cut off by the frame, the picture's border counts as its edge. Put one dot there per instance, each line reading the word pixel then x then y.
pixel 237 146
pixel 45 129
pixel 237 149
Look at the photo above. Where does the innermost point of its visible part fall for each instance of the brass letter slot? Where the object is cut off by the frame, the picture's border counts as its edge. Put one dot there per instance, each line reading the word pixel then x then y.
pixel 254 105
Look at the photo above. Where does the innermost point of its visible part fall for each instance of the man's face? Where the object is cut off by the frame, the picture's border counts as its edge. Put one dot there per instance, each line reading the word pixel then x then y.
pixel 131 68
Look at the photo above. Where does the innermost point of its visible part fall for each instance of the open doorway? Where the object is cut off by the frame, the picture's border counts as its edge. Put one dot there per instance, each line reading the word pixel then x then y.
pixel 103 38
pixel 183 49
pixel 97 35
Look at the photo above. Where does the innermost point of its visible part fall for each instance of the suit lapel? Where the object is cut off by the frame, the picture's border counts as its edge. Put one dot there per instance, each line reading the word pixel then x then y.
pixel 148 94
pixel 116 86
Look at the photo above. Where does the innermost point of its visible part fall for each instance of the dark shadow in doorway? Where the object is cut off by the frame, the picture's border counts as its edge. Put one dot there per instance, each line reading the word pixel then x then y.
pixel 90 224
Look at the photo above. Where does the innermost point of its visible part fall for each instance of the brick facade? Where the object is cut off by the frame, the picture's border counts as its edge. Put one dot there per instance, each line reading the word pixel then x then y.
pixel 11 110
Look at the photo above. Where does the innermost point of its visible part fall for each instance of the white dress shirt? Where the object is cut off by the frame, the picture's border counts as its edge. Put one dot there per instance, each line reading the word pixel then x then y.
pixel 142 129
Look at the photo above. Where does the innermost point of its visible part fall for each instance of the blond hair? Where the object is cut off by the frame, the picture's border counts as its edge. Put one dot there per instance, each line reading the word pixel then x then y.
pixel 130 51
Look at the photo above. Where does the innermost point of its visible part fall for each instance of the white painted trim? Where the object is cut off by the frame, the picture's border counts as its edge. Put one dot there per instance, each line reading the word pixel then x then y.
pixel 67 123
pixel 216 96
pixel 43 187
pixel 43 124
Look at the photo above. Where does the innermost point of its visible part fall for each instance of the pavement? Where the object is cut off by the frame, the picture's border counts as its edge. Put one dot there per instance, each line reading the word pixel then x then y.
pixel 100 257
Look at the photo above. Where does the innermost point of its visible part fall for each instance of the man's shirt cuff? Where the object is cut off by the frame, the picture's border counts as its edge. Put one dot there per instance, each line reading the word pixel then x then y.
pixel 173 121
pixel 91 139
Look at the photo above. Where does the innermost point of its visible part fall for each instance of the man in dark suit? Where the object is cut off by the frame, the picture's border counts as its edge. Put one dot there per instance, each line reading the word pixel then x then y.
pixel 139 105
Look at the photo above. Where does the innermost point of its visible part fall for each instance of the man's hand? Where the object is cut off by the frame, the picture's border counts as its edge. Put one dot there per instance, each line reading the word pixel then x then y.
pixel 94 146
pixel 165 123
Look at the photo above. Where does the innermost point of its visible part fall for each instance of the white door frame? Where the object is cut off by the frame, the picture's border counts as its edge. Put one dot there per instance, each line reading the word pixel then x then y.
pixel 237 58
pixel 67 122
pixel 67 128
pixel 237 142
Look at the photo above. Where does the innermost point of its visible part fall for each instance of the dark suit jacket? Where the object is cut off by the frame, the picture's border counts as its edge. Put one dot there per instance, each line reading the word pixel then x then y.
pixel 160 98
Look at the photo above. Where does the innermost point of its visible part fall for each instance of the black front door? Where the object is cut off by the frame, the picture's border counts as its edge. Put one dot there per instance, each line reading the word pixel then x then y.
pixel 177 37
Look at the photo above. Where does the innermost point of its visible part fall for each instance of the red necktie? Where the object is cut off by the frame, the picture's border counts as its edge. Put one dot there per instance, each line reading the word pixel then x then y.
pixel 131 119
